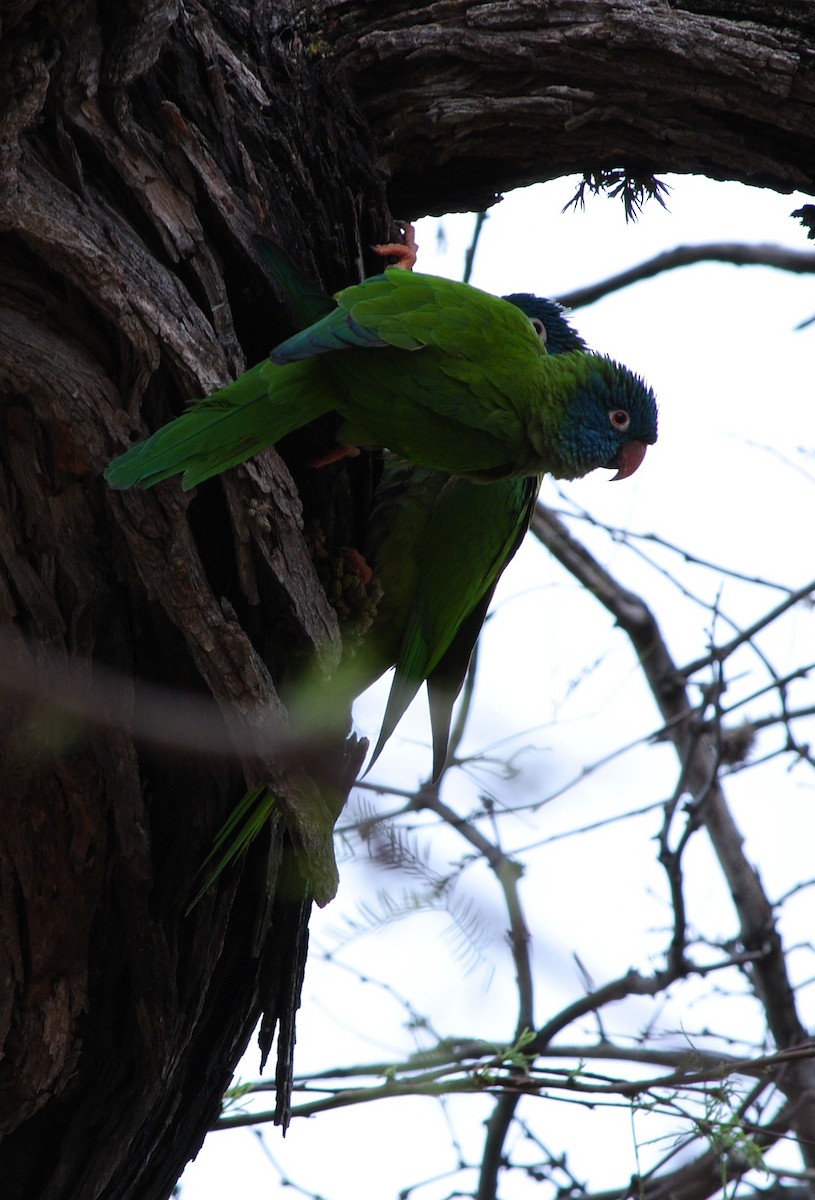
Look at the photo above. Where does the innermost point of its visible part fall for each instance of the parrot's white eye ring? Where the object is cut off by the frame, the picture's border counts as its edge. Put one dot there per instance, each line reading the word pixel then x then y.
pixel 540 329
pixel 619 419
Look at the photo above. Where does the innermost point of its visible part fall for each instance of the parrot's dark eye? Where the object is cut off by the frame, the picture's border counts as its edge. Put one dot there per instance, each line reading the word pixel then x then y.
pixel 540 328
pixel 619 419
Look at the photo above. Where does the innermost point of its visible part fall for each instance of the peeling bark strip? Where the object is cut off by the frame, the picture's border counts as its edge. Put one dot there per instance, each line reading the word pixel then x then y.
pixel 141 147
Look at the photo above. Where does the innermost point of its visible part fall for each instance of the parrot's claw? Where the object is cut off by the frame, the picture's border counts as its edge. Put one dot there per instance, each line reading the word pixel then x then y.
pixel 358 565
pixel 405 253
pixel 341 450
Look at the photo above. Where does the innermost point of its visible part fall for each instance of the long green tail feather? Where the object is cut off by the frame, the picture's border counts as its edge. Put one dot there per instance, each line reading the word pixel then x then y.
pixel 226 428
pixel 240 828
pixel 404 690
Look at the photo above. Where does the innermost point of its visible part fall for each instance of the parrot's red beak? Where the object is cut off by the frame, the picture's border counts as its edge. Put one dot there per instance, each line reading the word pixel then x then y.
pixel 628 459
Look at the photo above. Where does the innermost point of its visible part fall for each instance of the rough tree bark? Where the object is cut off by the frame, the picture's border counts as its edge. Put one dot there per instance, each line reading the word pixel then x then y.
pixel 143 144
pixel 470 99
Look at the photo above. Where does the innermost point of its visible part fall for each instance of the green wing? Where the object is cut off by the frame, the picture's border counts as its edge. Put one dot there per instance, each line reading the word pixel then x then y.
pixel 468 535
pixel 461 402
pixel 409 311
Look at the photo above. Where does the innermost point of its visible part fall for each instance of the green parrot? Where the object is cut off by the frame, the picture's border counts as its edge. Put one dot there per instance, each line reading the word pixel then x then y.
pixel 439 373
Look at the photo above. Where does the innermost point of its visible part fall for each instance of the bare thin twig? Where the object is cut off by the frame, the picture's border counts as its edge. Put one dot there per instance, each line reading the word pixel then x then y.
pixel 737 253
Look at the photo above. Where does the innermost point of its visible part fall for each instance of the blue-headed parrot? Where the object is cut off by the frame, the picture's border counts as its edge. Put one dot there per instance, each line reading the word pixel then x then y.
pixel 439 373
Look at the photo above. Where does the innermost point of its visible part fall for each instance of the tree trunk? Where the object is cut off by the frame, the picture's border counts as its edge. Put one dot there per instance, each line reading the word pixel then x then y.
pixel 142 150
pixel 143 145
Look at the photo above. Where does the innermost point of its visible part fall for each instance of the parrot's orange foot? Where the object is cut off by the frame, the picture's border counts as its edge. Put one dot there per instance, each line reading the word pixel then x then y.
pixel 405 253
pixel 358 565
pixel 335 454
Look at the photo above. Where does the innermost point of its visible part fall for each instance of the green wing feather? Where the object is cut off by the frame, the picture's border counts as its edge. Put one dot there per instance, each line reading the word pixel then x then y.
pixel 408 311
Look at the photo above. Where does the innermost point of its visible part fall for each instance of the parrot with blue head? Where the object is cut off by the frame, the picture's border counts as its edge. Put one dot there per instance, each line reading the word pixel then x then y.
pixel 440 373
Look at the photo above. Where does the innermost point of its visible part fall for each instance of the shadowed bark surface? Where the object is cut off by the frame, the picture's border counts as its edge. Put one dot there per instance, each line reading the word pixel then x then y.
pixel 143 146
